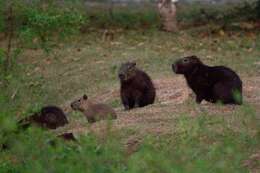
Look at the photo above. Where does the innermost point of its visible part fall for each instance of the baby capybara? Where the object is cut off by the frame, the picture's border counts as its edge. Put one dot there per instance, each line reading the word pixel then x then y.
pixel 93 111
pixel 50 117
pixel 137 89
pixel 213 84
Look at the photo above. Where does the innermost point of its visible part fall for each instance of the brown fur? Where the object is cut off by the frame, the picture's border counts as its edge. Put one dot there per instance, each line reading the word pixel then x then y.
pixel 210 83
pixel 50 117
pixel 93 111
pixel 137 89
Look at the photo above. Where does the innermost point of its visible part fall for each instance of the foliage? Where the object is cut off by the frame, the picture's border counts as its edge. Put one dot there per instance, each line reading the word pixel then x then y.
pixel 195 148
pixel 32 152
pixel 198 145
pixel 37 23
pixel 258 8
pixel 47 23
pixel 125 18
pixel 222 14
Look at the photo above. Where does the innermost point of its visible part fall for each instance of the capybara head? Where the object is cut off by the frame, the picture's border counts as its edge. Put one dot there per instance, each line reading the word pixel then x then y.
pixel 186 65
pixel 127 71
pixel 80 104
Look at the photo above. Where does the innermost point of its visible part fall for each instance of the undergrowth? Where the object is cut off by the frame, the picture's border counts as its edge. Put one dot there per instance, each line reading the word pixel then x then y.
pixel 201 144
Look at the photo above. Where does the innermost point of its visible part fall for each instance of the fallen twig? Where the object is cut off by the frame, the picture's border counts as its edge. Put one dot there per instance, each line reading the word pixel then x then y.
pixel 14 94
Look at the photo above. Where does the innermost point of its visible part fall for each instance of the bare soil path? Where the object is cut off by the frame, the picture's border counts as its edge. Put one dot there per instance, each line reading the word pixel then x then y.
pixel 174 99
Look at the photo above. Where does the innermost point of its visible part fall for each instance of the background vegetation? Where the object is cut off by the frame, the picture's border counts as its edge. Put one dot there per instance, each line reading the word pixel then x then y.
pixel 53 51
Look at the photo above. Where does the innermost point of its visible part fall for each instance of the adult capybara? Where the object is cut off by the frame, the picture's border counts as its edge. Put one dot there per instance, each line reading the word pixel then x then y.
pixel 137 89
pixel 93 111
pixel 50 117
pixel 213 84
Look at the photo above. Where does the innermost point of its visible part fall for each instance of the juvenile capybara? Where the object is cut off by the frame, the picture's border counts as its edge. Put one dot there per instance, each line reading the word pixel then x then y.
pixel 137 89
pixel 50 117
pixel 213 84
pixel 93 111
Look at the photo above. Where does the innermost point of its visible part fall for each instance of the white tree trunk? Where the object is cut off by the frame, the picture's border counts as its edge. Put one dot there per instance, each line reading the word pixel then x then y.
pixel 167 11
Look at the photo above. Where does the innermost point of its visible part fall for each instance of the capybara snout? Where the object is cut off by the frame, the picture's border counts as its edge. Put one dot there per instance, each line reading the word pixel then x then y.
pixel 121 76
pixel 174 68
pixel 74 105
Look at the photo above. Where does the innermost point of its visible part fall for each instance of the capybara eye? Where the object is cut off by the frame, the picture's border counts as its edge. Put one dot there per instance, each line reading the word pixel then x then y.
pixel 185 60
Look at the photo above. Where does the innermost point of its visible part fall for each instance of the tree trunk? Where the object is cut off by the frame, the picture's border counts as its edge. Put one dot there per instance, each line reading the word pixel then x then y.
pixel 9 23
pixel 258 9
pixel 167 11
pixel 110 8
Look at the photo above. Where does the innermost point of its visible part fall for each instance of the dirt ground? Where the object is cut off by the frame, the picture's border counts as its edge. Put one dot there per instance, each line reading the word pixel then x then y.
pixel 173 99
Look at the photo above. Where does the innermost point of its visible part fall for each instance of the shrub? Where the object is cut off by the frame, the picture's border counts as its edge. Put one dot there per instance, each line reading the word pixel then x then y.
pixel 37 23
pixel 125 17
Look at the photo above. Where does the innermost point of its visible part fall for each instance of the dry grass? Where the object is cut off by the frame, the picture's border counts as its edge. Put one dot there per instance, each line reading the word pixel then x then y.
pixel 89 65
pixel 174 99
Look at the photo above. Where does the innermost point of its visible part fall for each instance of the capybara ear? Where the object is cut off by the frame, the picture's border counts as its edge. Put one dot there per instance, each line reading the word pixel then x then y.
pixel 85 97
pixel 193 56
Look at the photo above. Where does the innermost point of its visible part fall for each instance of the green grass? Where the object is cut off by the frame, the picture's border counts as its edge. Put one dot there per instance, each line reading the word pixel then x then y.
pixel 197 149
pixel 68 72
pixel 201 144
pixel 224 15
pixel 209 142
pixel 135 16
pixel 167 137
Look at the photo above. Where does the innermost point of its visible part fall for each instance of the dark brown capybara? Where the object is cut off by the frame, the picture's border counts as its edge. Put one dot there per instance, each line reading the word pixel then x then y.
pixel 50 117
pixel 93 111
pixel 213 84
pixel 137 89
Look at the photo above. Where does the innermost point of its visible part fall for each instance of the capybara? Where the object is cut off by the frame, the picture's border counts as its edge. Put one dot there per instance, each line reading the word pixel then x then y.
pixel 93 111
pixel 213 84
pixel 137 89
pixel 50 117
